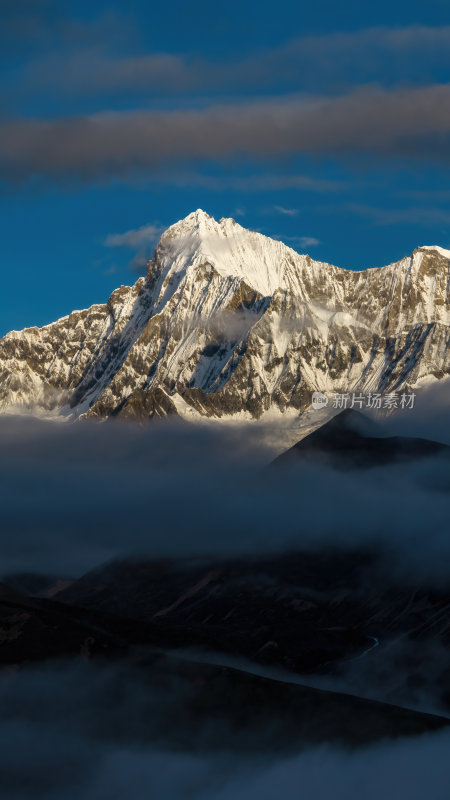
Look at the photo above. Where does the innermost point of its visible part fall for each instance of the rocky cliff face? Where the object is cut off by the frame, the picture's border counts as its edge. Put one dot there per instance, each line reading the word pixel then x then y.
pixel 229 322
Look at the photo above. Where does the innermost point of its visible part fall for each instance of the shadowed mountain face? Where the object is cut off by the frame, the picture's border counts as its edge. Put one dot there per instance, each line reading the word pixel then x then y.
pixel 199 708
pixel 230 322
pixel 351 440
pixel 314 616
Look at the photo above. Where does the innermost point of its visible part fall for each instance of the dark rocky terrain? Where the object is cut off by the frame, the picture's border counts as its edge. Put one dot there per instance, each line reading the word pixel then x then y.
pixel 312 614
pixel 352 441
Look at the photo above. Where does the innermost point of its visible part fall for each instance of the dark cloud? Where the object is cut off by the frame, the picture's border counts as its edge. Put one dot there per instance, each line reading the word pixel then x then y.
pixel 370 121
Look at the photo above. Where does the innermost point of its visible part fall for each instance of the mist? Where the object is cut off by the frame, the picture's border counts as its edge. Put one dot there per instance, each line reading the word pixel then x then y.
pixel 78 731
pixel 75 495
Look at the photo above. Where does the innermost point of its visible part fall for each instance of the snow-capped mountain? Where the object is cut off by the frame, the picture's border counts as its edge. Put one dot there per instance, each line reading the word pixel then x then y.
pixel 229 322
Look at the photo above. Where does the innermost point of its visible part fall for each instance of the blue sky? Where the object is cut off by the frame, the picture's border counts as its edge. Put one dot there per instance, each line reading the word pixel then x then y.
pixel 324 124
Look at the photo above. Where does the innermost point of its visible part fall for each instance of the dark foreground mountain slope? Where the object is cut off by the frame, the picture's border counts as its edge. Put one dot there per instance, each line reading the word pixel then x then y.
pixel 350 440
pixel 182 703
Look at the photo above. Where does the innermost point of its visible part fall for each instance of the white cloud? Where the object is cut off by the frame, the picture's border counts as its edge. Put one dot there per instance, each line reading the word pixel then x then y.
pixel 300 241
pixel 142 240
pixel 136 237
pixel 308 241
pixel 289 212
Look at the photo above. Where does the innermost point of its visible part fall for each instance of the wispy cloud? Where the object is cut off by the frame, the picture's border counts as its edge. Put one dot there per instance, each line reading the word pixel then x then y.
pixel 306 241
pixel 142 240
pixel 299 241
pixel 288 212
pixel 262 182
pixel 425 216
pixel 135 237
pixel 337 59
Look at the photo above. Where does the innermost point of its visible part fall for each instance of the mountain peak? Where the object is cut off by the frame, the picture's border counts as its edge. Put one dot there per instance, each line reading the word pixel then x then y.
pixel 199 220
pixel 232 250
pixel 198 217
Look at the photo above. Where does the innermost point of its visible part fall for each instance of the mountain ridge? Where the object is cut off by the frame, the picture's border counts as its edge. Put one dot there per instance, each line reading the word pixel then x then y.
pixel 229 322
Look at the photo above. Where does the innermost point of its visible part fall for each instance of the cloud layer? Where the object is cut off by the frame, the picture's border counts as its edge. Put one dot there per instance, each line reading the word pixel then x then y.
pixel 72 496
pixel 405 123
